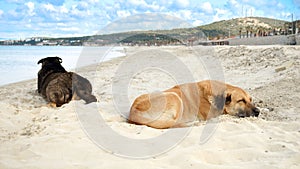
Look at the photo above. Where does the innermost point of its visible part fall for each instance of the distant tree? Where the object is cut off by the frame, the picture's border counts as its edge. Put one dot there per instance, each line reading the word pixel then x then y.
pixel 240 32
pixel 248 31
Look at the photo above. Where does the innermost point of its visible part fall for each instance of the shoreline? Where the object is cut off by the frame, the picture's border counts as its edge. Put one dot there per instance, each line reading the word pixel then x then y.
pixel 14 62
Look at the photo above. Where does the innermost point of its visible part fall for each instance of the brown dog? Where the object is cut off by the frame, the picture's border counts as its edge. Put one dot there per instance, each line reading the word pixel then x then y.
pixel 59 86
pixel 186 103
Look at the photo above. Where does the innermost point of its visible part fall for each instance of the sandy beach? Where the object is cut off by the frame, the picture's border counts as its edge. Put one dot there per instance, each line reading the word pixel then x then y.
pixel 34 135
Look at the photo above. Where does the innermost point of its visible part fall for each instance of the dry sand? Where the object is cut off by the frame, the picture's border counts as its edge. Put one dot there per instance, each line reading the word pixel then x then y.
pixel 33 135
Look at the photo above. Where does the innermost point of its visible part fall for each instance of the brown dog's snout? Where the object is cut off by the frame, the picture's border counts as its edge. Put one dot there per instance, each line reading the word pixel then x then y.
pixel 255 111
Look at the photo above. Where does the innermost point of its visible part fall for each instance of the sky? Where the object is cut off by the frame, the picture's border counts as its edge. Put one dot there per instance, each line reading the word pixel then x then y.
pixel 20 19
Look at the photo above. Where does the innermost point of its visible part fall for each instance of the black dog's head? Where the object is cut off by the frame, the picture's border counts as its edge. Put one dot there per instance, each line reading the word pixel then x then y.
pixel 52 64
pixel 50 60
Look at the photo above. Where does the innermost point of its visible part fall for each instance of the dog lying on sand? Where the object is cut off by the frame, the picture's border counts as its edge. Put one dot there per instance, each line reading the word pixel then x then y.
pixel 59 86
pixel 184 104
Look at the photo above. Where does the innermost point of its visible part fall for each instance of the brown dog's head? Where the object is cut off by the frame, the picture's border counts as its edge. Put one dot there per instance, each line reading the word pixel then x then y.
pixel 239 103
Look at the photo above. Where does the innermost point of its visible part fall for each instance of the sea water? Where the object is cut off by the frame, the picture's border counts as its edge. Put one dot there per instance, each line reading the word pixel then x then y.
pixel 19 63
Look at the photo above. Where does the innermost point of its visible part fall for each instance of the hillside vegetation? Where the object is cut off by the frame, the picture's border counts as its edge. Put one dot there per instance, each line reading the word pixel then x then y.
pixel 234 27
pixel 239 27
pixel 249 26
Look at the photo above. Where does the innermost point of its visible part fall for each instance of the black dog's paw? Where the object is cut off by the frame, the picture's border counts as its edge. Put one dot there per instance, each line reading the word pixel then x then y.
pixel 90 99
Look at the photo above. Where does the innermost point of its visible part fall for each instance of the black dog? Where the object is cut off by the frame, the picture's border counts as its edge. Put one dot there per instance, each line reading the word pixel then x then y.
pixel 59 86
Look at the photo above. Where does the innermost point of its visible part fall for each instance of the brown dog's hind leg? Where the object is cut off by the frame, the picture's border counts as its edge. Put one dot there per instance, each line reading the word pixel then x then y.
pixel 157 110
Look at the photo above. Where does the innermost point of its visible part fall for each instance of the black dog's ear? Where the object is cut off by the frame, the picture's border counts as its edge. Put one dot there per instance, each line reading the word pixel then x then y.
pixel 41 61
pixel 59 59
pixel 228 99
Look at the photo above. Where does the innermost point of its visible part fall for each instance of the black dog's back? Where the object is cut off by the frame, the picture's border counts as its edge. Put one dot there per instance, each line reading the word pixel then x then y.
pixel 59 88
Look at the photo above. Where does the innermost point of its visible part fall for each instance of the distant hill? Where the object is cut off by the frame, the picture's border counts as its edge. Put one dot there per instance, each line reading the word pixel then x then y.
pixel 218 30
pixel 250 26
pixel 233 27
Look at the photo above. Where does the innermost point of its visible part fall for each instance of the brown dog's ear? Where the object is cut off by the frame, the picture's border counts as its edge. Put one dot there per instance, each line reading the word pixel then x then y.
pixel 228 98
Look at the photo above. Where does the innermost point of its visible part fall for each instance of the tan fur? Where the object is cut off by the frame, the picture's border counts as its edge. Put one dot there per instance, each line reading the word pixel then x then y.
pixel 184 104
pixel 51 105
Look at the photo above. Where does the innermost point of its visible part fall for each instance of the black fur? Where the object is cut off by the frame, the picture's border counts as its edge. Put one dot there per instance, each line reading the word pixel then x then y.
pixel 50 65
pixel 59 86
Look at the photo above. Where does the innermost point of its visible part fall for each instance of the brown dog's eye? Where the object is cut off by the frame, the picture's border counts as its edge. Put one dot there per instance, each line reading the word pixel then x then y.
pixel 242 100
